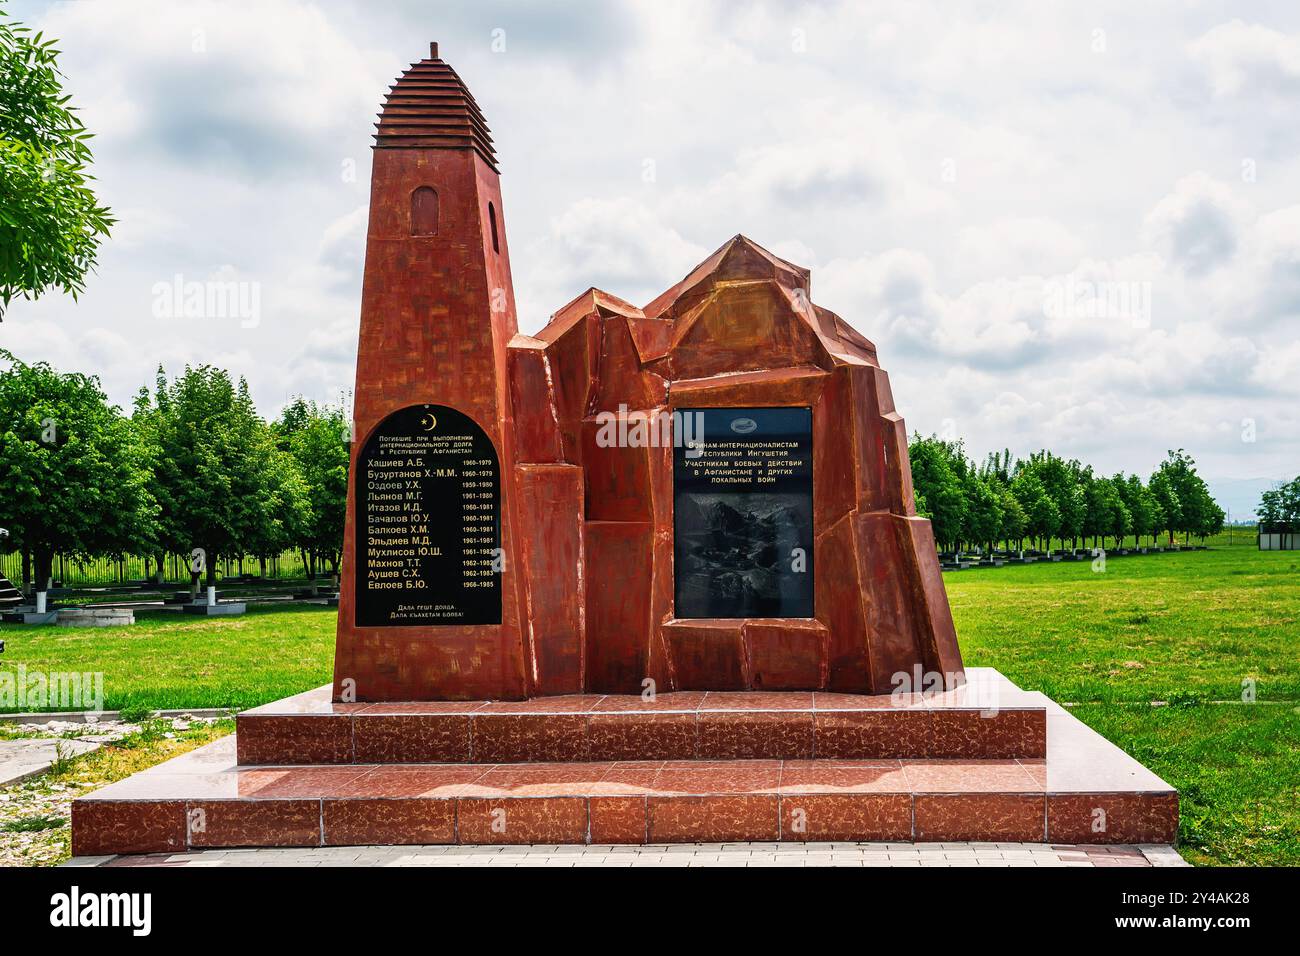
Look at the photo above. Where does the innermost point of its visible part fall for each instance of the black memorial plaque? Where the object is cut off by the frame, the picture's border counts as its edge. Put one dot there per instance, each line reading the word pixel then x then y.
pixel 428 522
pixel 742 513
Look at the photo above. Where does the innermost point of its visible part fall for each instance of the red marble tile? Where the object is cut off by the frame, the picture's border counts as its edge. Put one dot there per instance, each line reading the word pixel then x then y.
pixel 833 701
pixel 1112 817
pixel 785 654
pixel 745 735
pixel 1013 817
pixel 710 778
pixel 540 780
pixel 618 598
pixel 826 776
pixel 549 501
pixel 706 653
pixel 511 738
pixel 297 781
pixel 532 400
pixel 522 820
pixel 1037 770
pixel 641 736
pixel 294 739
pixel 318 700
pixel 215 823
pixel 847 816
pixel 714 819
pixel 917 536
pixel 618 819
pixel 839 597
pixel 396 738
pixel 412 781
pixel 725 764
pixel 687 701
pixel 872 733
pixel 758 700
pixel 566 704
pixel 988 734
pixel 365 821
pixel 632 776
pixel 411 708
pixel 101 827
pixel 968 776
pixel 153 784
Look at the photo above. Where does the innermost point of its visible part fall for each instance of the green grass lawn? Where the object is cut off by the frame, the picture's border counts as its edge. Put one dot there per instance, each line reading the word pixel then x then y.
pixel 1181 628
pixel 1236 767
pixel 1189 625
pixel 168 660
pixel 1185 628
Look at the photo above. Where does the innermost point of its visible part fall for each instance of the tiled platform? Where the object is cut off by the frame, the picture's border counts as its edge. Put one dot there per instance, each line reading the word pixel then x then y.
pixel 1084 791
pixel 668 855
pixel 989 718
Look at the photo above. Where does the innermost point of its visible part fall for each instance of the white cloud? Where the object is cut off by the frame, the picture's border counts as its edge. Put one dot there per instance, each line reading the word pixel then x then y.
pixel 1239 57
pixel 1197 224
pixel 618 245
pixel 943 170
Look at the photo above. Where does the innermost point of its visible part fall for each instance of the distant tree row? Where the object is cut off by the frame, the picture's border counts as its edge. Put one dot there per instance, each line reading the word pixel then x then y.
pixel 1045 497
pixel 1279 509
pixel 193 472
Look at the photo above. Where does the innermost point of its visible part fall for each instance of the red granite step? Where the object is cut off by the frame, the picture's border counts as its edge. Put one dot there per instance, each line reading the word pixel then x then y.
pixel 1085 791
pixel 989 718
pixel 613 802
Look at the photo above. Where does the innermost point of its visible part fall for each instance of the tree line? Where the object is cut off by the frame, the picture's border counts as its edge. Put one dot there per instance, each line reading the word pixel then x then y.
pixel 1005 501
pixel 1279 509
pixel 193 472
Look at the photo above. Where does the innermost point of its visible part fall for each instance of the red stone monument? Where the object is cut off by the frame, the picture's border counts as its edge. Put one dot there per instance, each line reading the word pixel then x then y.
pixel 650 576
pixel 437 313
pixel 584 575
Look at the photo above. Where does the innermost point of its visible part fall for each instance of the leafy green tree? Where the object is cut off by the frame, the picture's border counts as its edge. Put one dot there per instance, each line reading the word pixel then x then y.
pixel 1170 511
pixel 318 439
pixel 223 485
pixel 1279 508
pixel 1060 481
pixel 983 518
pixel 1140 503
pixel 1198 514
pixel 146 421
pixel 1102 502
pixel 999 467
pixel 51 224
pixel 1290 502
pixel 1270 512
pixel 936 480
pixel 1042 516
pixel 1074 508
pixel 1121 519
pixel 72 470
pixel 1014 520
pixel 281 513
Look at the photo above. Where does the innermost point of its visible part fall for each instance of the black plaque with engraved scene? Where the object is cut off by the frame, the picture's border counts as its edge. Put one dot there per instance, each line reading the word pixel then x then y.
pixel 742 513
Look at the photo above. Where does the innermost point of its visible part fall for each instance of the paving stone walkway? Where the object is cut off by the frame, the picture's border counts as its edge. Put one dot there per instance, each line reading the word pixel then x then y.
pixel 28 756
pixel 677 854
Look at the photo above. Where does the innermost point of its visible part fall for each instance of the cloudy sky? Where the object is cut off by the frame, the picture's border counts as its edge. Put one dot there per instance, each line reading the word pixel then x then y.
pixel 1075 227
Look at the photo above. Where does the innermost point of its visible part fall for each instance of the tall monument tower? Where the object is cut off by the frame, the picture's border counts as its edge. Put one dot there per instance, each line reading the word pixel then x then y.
pixel 427 606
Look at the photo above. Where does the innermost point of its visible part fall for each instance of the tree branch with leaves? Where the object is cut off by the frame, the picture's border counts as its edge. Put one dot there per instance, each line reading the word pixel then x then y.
pixel 51 223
